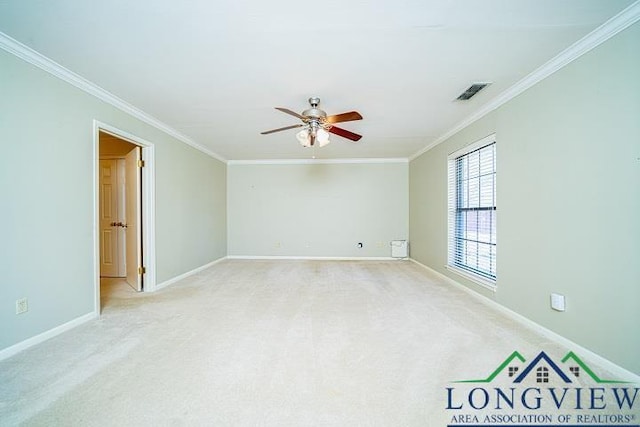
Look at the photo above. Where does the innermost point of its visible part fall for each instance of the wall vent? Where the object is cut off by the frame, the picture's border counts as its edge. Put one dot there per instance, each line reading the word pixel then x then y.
pixel 472 91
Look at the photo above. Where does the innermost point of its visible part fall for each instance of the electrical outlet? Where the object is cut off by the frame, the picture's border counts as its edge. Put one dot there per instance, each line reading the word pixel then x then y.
pixel 22 306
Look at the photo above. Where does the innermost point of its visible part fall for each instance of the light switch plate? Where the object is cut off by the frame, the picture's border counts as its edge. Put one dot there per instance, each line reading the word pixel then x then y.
pixel 557 302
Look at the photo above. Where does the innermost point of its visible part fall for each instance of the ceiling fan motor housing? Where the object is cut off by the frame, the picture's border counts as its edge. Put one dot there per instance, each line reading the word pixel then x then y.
pixel 314 113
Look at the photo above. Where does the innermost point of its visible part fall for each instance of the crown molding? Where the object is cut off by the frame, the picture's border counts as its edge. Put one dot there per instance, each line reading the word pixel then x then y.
pixel 610 28
pixel 35 58
pixel 317 161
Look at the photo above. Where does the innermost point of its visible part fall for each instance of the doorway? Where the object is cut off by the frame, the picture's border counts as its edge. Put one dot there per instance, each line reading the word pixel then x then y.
pixel 124 194
pixel 120 197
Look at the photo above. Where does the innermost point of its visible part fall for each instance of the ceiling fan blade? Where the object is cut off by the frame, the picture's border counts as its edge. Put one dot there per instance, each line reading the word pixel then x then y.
pixel 293 113
pixel 267 132
pixel 344 117
pixel 345 133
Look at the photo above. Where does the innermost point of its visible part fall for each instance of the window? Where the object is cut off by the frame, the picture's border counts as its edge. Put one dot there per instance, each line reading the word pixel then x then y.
pixel 575 371
pixel 542 375
pixel 472 211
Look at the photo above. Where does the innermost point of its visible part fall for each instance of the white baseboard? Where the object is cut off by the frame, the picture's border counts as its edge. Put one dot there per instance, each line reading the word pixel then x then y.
pixel 313 258
pixel 554 336
pixel 187 274
pixel 30 342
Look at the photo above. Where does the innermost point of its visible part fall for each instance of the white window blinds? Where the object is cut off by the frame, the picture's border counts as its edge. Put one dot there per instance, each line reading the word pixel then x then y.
pixel 472 210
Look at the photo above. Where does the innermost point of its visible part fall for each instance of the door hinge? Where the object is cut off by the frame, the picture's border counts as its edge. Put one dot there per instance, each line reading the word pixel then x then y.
pixel 142 270
pixel 140 163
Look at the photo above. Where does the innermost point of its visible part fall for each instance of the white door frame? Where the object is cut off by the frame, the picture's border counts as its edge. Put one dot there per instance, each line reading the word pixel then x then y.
pixel 148 206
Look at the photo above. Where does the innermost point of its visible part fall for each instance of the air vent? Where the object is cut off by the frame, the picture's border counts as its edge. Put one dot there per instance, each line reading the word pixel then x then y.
pixel 472 91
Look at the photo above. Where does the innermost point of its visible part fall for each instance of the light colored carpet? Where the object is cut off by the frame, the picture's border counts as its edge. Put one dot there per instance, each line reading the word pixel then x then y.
pixel 267 343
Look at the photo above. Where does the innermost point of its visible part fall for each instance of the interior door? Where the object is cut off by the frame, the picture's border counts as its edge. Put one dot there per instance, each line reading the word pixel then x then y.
pixel 109 260
pixel 122 219
pixel 133 219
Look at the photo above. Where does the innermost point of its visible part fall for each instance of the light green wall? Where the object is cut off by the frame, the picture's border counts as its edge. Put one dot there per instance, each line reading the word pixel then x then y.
pixel 192 223
pixel 568 191
pixel 317 209
pixel 46 184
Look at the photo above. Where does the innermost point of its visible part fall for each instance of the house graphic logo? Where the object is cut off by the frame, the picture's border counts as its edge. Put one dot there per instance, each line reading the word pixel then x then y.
pixel 576 365
pixel 543 392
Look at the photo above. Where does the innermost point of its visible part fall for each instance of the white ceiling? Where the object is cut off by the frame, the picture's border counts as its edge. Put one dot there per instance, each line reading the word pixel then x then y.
pixel 214 70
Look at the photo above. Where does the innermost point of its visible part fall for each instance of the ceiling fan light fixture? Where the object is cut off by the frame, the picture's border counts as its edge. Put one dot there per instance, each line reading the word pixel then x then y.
pixel 303 138
pixel 322 136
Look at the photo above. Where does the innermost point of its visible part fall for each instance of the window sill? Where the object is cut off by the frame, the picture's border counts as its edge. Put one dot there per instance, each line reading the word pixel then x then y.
pixel 487 284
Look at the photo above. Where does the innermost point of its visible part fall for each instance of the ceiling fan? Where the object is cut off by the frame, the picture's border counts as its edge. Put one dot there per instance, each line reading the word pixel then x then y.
pixel 317 125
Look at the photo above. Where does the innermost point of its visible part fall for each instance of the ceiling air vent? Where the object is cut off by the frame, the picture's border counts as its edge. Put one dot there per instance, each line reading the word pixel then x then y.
pixel 472 91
